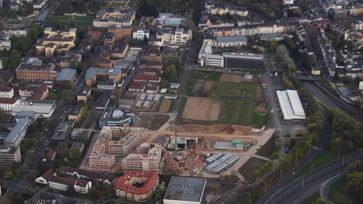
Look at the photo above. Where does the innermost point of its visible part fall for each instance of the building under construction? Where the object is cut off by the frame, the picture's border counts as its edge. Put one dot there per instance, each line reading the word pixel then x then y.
pixel 114 142
pixel 147 157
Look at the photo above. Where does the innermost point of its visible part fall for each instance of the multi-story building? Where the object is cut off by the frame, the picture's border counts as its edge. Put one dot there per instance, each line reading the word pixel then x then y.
pixel 7 104
pixel 141 34
pixel 126 185
pixel 112 16
pixel 6 92
pixel 120 32
pixel 171 36
pixel 56 41
pixel 146 158
pixel 5 42
pixel 61 183
pixel 9 155
pixel 207 57
pixel 17 133
pixel 113 141
pixel 32 70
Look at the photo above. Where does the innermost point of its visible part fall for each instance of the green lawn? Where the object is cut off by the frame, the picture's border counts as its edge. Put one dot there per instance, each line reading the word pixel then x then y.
pixel 70 21
pixel 213 76
pixel 324 157
pixel 248 169
pixel 241 111
pixel 337 194
pixel 234 89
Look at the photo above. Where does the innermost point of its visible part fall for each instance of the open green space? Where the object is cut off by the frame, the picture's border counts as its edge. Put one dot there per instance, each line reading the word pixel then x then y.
pixel 337 193
pixel 243 89
pixel 248 170
pixel 241 111
pixel 153 122
pixel 324 157
pixel 238 99
pixel 69 21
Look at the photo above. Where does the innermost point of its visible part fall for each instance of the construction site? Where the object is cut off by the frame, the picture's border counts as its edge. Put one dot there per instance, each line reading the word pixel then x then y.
pixel 210 155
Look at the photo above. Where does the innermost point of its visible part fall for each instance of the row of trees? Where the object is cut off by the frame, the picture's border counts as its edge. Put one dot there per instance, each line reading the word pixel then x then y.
pixel 347 133
pixel 354 181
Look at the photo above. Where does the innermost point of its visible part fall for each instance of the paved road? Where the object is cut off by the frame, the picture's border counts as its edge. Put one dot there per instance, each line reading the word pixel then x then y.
pixel 277 188
pixel 302 188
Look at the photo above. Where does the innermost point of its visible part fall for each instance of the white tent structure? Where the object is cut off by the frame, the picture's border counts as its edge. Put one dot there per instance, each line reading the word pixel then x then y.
pixel 290 104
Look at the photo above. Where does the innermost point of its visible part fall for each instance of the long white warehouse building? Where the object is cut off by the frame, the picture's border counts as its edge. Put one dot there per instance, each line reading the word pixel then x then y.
pixel 290 104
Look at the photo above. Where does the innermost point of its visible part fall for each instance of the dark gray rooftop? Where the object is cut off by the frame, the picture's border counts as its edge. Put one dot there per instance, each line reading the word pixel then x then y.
pixel 185 189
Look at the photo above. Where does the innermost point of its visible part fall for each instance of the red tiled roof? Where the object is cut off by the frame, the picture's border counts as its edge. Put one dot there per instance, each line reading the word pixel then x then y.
pixel 63 180
pixel 38 93
pixel 4 88
pixel 81 182
pixel 49 154
pixel 7 100
pixel 145 77
pixel 123 183
pixel 47 174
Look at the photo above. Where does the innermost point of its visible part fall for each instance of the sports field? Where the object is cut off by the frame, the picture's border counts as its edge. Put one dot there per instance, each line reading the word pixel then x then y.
pixel 201 108
pixel 237 97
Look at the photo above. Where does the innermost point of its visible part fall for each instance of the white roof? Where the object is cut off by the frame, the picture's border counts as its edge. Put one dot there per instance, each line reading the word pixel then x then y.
pixel 290 105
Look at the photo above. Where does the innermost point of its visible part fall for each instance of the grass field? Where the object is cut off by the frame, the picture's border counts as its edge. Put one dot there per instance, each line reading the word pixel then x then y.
pixel 238 100
pixel 248 169
pixel 153 122
pixel 70 21
pixel 241 111
pixel 235 89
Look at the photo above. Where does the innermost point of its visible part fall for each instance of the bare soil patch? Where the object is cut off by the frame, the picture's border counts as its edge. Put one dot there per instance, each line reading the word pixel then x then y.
pixel 232 78
pixel 165 105
pixel 203 109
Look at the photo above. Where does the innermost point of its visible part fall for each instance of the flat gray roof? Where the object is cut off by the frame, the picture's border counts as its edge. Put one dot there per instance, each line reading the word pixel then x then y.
pixel 185 189
pixel 19 128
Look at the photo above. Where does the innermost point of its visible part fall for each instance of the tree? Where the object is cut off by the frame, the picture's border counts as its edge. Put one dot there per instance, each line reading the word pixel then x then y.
pixel 8 175
pixel 13 59
pixel 171 73
pixel 355 186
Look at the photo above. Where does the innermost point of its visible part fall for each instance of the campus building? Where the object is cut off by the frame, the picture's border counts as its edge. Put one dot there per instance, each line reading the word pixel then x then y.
pixel 32 69
pixel 207 57
pixel 112 16
pixel 56 41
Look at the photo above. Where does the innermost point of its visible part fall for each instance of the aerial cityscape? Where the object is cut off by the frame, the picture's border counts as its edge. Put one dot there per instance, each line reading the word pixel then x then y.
pixel 181 101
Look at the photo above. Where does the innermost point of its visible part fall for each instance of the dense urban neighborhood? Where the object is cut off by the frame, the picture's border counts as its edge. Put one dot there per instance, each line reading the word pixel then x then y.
pixel 181 101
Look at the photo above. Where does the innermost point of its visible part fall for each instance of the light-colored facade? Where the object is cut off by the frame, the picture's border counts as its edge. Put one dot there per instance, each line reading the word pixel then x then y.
pixel 7 104
pixel 9 155
pixel 146 158
pixel 56 41
pixel 6 92
pixel 174 36
pixel 141 34
pixel 114 141
pixel 111 17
